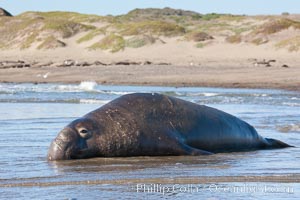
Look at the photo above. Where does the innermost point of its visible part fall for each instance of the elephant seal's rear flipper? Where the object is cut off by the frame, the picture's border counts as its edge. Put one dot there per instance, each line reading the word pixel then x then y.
pixel 274 144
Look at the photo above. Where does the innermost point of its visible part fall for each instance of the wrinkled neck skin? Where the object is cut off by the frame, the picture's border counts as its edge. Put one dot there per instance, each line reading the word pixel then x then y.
pixel 114 138
pixel 112 131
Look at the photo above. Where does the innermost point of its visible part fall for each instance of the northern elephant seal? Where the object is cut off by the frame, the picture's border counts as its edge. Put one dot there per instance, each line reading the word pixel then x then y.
pixel 144 124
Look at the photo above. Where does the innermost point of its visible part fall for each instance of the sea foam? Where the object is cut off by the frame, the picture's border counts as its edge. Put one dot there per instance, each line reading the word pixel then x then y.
pixel 83 86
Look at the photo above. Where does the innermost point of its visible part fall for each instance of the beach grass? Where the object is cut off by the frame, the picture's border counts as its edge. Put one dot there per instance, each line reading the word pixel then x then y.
pixel 112 42
pixel 292 44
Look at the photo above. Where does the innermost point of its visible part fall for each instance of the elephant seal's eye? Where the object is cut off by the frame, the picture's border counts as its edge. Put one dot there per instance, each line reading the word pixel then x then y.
pixel 84 133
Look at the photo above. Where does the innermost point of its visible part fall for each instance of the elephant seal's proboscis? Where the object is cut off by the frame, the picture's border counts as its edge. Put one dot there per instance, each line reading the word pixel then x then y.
pixel 145 124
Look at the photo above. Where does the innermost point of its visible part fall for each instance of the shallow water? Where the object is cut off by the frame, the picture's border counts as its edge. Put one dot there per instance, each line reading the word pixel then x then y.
pixel 31 116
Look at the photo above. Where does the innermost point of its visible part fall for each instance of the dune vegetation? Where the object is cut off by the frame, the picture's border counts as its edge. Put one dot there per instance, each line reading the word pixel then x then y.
pixel 292 44
pixel 143 27
pixel 110 42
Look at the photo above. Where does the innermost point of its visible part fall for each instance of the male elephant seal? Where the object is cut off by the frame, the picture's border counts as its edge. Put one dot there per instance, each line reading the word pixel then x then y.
pixel 143 124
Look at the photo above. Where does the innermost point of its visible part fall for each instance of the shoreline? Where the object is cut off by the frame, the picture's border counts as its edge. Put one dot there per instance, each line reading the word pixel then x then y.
pixel 248 77
pixel 221 86
pixel 226 51
pixel 225 66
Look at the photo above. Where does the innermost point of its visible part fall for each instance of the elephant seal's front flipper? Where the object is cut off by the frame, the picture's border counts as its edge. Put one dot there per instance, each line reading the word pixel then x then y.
pixel 179 148
pixel 168 143
pixel 190 151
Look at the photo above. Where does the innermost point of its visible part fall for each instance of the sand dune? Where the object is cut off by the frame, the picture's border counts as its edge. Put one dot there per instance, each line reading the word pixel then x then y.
pixel 202 50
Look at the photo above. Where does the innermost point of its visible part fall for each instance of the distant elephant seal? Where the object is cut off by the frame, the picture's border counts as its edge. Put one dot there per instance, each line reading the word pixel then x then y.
pixel 144 124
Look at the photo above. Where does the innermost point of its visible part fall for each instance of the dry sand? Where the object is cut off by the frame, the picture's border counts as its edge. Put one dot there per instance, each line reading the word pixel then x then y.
pixel 218 65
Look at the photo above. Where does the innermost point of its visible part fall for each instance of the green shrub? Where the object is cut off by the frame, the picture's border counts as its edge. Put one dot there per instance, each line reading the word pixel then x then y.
pixel 65 27
pixel 196 17
pixel 234 39
pixel 259 41
pixel 152 28
pixel 277 25
pixel 140 41
pixel 211 16
pixel 200 45
pixel 91 35
pixel 292 44
pixel 198 36
pixel 51 43
pixel 112 42
pixel 285 13
pixel 70 16
pixel 240 30
pixel 29 40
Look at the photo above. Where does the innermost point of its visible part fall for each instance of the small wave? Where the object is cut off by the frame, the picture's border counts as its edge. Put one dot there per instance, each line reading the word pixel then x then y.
pixel 93 101
pixel 116 92
pixel 289 128
pixel 210 94
pixel 260 95
pixel 88 86
pixel 6 92
pixel 290 104
pixel 205 94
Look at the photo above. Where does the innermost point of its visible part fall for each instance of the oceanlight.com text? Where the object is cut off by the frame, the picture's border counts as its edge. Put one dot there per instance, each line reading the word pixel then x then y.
pixel 213 188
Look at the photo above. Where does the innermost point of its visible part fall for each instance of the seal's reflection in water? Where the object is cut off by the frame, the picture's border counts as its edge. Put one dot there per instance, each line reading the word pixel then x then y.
pixel 143 167
pixel 131 173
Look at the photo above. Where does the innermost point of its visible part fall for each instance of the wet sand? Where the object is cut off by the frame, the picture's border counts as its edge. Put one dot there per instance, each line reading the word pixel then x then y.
pixel 183 180
pixel 210 75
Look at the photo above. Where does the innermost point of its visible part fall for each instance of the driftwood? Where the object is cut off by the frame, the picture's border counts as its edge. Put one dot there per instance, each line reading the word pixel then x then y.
pixel 13 64
pixel 70 63
pixel 263 62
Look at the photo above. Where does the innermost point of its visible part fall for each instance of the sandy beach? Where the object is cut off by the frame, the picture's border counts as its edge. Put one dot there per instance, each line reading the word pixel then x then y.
pixel 216 66
pixel 212 51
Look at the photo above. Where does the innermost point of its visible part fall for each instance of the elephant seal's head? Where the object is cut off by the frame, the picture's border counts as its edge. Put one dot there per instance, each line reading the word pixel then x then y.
pixel 77 140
